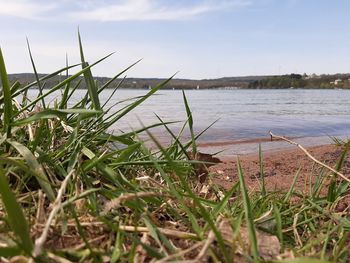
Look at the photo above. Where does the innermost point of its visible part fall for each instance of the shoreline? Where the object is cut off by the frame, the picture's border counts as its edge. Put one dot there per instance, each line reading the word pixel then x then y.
pixel 280 168
pixel 228 150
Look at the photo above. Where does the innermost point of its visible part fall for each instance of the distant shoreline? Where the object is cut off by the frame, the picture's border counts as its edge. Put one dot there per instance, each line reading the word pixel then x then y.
pixel 292 81
pixel 216 88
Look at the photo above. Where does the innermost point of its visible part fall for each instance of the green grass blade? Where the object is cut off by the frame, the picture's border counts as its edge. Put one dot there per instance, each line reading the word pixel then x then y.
pixel 114 91
pixel 89 80
pixel 190 123
pixel 47 77
pixel 35 167
pixel 263 187
pixel 203 211
pixel 106 85
pixel 61 84
pixel 176 139
pixel 51 113
pixel 343 186
pixel 64 98
pixel 278 218
pixel 248 213
pixel 36 75
pixel 187 145
pixel 7 97
pixel 137 103
pixel 7 252
pixel 291 189
pixel 17 220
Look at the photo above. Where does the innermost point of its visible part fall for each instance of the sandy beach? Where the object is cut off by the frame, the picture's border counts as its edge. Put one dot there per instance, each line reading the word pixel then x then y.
pixel 280 166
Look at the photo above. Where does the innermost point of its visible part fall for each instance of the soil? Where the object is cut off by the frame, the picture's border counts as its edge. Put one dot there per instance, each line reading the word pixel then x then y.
pixel 280 168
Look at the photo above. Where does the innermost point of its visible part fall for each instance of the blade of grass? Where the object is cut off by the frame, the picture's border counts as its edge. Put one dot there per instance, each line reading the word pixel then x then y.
pixel 89 80
pixel 137 103
pixel 50 113
pixel 190 123
pixel 278 218
pixel 36 74
pixel 17 220
pixel 61 84
pixel 35 167
pixel 248 213
pixel 291 189
pixel 47 77
pixel 204 213
pixel 263 188
pixel 7 97
pixel 64 98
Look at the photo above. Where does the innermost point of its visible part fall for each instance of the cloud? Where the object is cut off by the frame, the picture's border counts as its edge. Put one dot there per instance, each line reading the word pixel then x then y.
pixel 141 10
pixel 25 8
pixel 114 10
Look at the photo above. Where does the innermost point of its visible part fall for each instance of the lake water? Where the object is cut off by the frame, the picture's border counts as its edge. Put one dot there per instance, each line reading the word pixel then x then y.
pixel 241 114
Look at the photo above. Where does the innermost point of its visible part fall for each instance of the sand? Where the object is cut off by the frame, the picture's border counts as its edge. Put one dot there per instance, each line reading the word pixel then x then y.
pixel 279 168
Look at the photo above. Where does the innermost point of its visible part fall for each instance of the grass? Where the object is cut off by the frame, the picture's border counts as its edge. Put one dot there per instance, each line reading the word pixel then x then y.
pixel 73 192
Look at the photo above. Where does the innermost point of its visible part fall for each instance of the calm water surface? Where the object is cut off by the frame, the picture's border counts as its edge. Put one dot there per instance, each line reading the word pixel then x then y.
pixel 241 114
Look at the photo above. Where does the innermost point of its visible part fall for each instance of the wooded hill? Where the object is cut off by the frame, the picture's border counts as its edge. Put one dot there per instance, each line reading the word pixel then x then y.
pixel 246 82
pixel 145 83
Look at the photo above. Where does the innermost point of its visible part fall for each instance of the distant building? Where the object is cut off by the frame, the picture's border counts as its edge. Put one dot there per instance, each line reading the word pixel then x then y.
pixel 337 81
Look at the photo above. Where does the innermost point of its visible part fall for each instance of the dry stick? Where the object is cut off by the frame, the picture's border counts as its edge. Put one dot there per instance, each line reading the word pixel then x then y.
pixel 91 241
pixel 141 229
pixel 58 258
pixel 295 230
pixel 210 240
pixel 310 156
pixel 180 253
pixel 167 232
pixel 39 242
pixel 141 254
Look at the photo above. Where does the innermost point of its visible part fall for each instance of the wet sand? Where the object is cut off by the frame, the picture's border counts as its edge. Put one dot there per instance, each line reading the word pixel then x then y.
pixel 227 150
pixel 280 166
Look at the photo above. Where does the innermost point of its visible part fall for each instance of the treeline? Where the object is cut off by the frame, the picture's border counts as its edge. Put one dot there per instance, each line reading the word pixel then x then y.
pixel 313 81
pixel 145 83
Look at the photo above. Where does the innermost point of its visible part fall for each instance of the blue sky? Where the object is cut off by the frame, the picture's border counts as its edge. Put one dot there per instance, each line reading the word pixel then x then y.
pixel 198 38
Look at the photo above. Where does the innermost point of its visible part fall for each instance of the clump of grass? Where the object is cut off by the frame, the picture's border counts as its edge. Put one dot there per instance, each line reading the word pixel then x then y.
pixel 73 192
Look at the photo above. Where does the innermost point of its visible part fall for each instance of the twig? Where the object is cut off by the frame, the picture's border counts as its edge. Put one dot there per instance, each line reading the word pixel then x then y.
pixel 141 254
pixel 209 241
pixel 180 253
pixel 167 232
pixel 311 157
pixel 82 245
pixel 140 229
pixel 39 242
pixel 295 230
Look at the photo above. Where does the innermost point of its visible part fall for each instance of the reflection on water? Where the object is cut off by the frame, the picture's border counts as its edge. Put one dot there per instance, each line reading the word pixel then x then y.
pixel 242 114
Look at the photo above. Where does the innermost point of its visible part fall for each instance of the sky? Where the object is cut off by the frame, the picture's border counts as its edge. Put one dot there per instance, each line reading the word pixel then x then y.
pixel 198 39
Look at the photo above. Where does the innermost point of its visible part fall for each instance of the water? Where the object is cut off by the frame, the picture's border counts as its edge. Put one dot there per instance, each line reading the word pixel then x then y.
pixel 242 114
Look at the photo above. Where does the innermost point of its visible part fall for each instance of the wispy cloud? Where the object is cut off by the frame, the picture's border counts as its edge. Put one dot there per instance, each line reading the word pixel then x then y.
pixel 26 8
pixel 114 10
pixel 137 10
